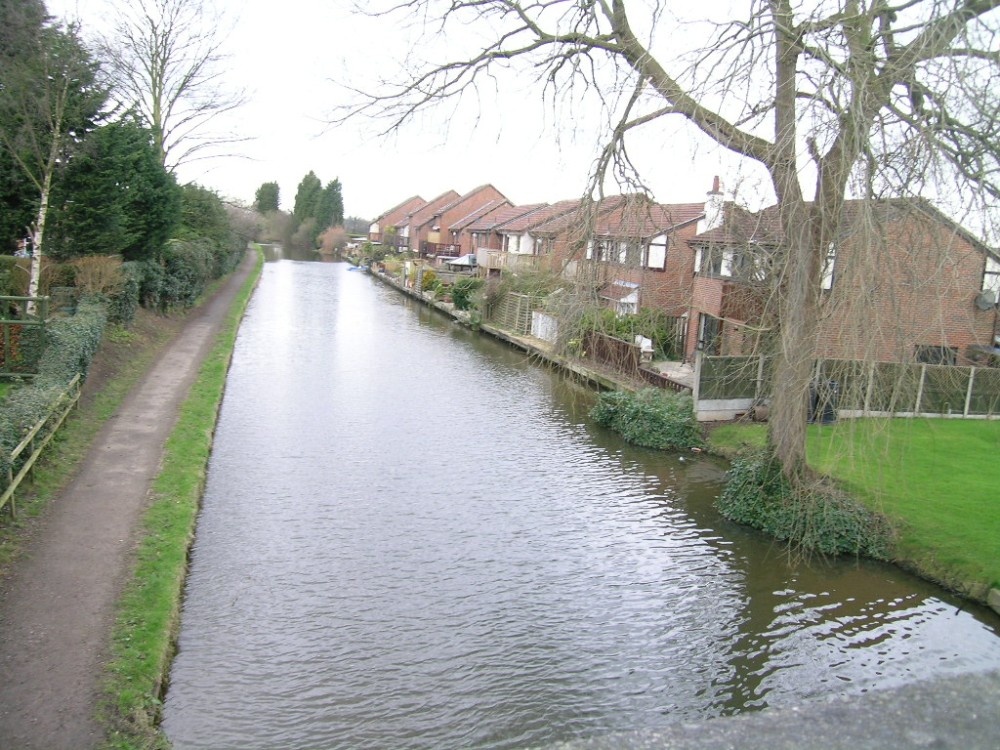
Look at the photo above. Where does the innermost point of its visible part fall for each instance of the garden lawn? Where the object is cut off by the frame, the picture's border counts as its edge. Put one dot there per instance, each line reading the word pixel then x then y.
pixel 938 480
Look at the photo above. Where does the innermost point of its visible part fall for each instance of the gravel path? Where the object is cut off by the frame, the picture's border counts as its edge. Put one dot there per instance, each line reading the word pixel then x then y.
pixel 57 606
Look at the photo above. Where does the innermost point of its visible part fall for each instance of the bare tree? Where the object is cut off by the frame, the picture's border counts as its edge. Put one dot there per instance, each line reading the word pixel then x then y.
pixel 165 59
pixel 830 97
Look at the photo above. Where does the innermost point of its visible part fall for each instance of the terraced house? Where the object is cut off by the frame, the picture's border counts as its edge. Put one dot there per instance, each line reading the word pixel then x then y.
pixel 903 283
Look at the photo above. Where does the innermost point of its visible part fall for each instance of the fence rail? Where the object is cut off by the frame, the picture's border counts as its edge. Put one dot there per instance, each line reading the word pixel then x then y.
pixel 24 456
pixel 17 356
pixel 728 386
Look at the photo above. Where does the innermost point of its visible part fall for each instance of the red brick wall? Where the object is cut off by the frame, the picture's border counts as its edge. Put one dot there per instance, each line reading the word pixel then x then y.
pixel 916 286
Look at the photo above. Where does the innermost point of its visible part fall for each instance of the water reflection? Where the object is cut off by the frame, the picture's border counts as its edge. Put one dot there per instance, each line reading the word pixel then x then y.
pixel 414 537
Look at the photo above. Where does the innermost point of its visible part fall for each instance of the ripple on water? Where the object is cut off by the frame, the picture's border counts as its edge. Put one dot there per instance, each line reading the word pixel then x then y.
pixel 412 538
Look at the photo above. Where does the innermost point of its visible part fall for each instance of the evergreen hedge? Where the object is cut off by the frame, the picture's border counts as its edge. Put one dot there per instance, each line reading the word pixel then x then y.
pixel 70 345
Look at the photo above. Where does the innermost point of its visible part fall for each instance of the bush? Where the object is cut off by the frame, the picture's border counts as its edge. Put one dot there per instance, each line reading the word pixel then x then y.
pixel 462 291
pixel 70 346
pixel 72 342
pixel 429 281
pixel 817 518
pixel 180 275
pixel 123 303
pixel 655 325
pixel 651 418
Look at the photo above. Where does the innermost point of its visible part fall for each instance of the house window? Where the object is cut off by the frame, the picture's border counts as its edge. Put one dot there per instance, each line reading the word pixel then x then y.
pixel 716 262
pixel 991 275
pixel 926 354
pixel 629 253
pixel 656 254
pixel 597 251
pixel 828 265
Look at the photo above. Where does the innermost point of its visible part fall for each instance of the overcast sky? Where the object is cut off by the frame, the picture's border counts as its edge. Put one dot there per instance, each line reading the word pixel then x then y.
pixel 290 55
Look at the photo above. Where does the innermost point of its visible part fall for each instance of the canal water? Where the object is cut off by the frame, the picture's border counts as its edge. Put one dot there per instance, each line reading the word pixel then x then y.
pixel 413 537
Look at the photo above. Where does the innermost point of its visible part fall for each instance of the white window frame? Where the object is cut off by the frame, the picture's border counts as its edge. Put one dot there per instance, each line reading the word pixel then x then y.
pixel 829 266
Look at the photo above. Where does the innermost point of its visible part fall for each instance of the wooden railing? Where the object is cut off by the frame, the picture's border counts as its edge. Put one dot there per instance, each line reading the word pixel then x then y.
pixel 439 249
pixel 12 326
pixel 24 456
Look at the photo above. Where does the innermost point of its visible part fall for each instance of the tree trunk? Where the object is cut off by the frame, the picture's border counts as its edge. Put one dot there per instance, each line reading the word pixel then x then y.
pixel 38 231
pixel 797 345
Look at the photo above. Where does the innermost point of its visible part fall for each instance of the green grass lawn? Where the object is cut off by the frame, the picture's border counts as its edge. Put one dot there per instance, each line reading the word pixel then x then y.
pixel 938 480
pixel 4 387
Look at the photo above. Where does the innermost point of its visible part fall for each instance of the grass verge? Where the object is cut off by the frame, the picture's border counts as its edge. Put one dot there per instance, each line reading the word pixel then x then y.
pixel 935 479
pixel 148 613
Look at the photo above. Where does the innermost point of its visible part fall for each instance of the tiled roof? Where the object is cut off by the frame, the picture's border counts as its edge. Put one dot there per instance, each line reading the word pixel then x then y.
pixel 480 212
pixel 641 220
pixel 501 215
pixel 626 216
pixel 545 213
pixel 764 227
pixel 431 209
pixel 399 207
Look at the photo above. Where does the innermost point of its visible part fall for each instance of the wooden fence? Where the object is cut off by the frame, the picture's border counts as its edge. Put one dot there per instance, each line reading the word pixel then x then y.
pixel 18 357
pixel 24 456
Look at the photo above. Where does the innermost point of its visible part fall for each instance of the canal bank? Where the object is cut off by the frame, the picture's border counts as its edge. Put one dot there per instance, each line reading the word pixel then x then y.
pixel 537 348
pixel 382 608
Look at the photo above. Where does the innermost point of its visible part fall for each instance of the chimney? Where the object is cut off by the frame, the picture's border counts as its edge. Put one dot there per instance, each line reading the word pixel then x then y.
pixel 714 208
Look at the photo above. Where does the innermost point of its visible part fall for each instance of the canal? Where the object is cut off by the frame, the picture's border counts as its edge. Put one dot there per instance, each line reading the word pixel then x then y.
pixel 413 537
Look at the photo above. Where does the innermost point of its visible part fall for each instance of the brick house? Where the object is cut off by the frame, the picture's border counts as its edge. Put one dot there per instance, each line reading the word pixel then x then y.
pixel 416 226
pixel 515 244
pixel 635 254
pixel 483 234
pixel 383 229
pixel 902 283
pixel 430 229
pixel 461 237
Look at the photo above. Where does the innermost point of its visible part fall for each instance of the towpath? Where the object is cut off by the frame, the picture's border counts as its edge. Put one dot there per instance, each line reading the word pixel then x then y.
pixel 57 605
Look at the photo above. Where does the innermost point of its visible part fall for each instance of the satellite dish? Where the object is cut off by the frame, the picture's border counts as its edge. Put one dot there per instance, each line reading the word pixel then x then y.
pixel 986 299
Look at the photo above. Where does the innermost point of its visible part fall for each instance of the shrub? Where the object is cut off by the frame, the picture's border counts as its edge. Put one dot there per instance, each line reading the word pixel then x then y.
pixel 70 346
pixel 123 303
pixel 180 275
pixel 654 324
pixel 651 418
pixel 817 518
pixel 72 342
pixel 429 281
pixel 462 291
pixel 98 274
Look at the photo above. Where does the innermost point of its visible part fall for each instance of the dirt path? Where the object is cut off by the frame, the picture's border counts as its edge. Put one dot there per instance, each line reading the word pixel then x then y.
pixel 57 606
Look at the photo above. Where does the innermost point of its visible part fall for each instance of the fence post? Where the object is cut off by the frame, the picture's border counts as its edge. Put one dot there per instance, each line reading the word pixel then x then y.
pixel 920 390
pixel 10 481
pixel 759 389
pixel 968 391
pixel 869 387
pixel 696 387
